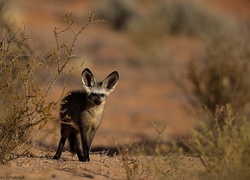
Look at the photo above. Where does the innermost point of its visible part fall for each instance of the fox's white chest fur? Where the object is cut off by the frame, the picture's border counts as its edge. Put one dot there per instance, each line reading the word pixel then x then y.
pixel 92 117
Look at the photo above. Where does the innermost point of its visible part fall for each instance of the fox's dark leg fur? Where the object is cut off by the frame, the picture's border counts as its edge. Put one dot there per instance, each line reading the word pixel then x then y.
pixel 72 142
pixel 87 138
pixel 75 145
pixel 85 144
pixel 60 148
pixel 79 151
pixel 65 131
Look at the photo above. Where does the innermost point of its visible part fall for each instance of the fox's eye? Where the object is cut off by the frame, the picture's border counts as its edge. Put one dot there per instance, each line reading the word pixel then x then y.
pixel 93 95
pixel 102 95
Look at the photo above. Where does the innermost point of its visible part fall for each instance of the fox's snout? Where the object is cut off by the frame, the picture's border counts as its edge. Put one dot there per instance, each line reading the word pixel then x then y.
pixel 98 99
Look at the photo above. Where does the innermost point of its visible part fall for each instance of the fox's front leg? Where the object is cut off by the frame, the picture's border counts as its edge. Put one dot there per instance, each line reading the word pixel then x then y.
pixel 85 146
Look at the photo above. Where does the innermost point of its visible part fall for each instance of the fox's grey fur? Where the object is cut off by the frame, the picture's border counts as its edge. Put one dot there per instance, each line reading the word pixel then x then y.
pixel 81 113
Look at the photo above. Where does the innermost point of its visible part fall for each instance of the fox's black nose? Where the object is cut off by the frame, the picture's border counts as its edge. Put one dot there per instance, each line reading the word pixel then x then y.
pixel 97 102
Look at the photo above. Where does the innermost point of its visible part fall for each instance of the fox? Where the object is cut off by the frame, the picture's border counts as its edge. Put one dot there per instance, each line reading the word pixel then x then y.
pixel 81 113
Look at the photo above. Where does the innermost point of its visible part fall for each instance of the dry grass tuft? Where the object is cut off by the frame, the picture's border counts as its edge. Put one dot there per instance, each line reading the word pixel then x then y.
pixel 223 150
pixel 138 164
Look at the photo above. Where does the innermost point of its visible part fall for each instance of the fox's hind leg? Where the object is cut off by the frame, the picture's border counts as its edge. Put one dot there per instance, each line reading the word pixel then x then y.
pixel 60 148
pixel 65 131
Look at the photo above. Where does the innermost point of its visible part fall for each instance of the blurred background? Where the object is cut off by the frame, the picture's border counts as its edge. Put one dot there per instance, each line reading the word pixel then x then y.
pixel 164 51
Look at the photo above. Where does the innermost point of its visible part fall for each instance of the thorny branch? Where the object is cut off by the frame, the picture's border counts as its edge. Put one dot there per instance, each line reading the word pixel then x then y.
pixel 23 102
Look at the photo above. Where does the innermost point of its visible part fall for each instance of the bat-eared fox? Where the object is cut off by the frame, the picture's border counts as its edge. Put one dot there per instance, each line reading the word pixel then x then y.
pixel 81 113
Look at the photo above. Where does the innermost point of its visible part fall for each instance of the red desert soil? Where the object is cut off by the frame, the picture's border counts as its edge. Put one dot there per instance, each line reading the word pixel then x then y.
pixel 144 94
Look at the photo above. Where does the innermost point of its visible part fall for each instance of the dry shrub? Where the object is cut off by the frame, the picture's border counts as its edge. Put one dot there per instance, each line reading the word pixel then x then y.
pixel 177 17
pixel 218 77
pixel 23 102
pixel 219 84
pixel 224 150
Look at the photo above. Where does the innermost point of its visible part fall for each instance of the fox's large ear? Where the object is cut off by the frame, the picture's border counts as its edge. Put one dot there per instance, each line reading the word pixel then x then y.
pixel 111 81
pixel 88 79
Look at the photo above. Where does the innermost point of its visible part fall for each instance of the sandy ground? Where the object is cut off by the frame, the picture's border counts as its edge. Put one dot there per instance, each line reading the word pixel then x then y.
pixel 101 166
pixel 145 95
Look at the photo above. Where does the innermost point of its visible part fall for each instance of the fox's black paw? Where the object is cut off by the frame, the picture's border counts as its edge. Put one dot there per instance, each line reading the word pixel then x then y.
pixel 56 157
pixel 84 159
